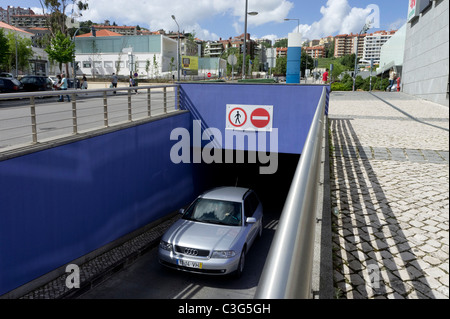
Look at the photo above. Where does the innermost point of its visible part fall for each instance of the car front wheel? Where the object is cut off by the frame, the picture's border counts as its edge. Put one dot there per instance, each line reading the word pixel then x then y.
pixel 241 265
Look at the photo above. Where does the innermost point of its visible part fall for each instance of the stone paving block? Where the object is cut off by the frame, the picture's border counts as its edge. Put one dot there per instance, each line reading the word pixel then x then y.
pixel 444 154
pixel 408 187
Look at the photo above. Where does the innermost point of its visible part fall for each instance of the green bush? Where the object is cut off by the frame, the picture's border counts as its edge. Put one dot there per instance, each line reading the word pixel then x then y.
pixel 340 86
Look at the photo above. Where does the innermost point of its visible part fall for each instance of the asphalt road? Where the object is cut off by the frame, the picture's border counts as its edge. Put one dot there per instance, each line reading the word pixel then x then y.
pixel 147 279
pixel 55 119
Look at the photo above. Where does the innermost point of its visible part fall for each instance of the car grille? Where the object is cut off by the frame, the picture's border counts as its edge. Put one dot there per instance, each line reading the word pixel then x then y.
pixel 192 251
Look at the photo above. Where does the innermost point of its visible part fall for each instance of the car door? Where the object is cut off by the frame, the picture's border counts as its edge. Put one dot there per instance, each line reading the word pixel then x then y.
pixel 249 210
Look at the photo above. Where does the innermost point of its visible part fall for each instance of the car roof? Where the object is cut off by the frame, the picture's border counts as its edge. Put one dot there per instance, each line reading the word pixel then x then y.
pixel 233 194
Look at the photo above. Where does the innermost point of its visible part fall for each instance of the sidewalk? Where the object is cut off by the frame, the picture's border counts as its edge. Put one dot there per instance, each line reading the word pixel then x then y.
pixel 389 163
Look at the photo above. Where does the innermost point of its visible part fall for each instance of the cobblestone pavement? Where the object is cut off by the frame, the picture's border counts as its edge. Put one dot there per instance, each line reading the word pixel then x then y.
pixel 390 196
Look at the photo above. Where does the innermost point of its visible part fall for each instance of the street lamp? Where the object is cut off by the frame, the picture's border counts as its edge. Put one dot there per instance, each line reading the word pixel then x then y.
pixel 298 23
pixel 363 31
pixel 245 36
pixel 94 34
pixel 178 48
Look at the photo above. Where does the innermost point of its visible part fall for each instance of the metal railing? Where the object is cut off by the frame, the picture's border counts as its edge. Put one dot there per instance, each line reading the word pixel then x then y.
pixel 287 273
pixel 35 117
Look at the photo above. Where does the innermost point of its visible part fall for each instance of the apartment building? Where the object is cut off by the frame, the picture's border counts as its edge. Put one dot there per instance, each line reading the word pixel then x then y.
pixel 29 21
pixel 345 44
pixel 372 45
pixel 214 49
pixel 123 30
pixel 282 52
pixel 316 51
pixel 6 14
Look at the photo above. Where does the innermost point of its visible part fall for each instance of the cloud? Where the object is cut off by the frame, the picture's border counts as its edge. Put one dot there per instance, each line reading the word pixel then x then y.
pixel 338 17
pixel 397 24
pixel 156 14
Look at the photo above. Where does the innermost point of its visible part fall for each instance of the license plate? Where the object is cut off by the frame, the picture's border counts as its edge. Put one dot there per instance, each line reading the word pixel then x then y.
pixel 190 264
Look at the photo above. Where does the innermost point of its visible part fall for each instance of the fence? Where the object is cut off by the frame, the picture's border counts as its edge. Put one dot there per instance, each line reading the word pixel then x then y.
pixel 36 117
pixel 288 269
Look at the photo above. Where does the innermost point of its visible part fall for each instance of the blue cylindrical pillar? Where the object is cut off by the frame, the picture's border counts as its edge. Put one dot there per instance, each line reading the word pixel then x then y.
pixel 293 58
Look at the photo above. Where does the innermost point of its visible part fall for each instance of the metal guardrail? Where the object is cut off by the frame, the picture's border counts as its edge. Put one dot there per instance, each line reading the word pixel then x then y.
pixel 287 273
pixel 42 119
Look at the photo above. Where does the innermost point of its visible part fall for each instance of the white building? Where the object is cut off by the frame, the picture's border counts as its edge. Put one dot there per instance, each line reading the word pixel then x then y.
pixel 372 45
pixel 149 56
pixel 426 60
pixel 392 52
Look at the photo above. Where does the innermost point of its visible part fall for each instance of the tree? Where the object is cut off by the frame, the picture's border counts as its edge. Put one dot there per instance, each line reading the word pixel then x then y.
pixel 61 50
pixel 281 66
pixel 330 50
pixel 306 63
pixel 4 50
pixel 24 51
pixel 55 13
pixel 348 61
pixel 281 43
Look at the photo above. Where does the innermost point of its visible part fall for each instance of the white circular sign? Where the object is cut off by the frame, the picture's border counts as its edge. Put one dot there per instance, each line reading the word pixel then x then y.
pixel 232 59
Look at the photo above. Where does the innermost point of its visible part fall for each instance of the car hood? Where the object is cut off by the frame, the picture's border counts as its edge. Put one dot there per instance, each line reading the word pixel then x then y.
pixel 192 234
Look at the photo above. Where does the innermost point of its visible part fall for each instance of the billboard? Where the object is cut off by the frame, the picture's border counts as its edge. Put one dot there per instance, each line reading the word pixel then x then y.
pixel 189 65
pixel 416 7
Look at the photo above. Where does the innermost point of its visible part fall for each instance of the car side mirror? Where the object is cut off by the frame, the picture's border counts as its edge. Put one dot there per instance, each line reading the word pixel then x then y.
pixel 250 220
pixel 181 211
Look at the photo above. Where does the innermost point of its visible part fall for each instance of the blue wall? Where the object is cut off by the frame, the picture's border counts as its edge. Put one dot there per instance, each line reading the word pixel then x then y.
pixel 62 203
pixel 294 107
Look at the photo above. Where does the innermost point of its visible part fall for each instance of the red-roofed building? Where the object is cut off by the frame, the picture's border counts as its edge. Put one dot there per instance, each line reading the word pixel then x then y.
pixel 123 30
pixel 9 28
pixel 101 33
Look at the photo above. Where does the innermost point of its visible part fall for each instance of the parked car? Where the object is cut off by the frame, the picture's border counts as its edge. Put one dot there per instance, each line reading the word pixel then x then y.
pixel 10 85
pixel 54 79
pixel 6 75
pixel 215 233
pixel 70 83
pixel 33 83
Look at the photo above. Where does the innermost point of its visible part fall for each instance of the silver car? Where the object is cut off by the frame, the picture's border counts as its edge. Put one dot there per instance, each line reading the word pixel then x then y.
pixel 215 232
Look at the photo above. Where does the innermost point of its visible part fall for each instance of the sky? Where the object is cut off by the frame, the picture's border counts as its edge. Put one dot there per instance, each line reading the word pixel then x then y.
pixel 214 19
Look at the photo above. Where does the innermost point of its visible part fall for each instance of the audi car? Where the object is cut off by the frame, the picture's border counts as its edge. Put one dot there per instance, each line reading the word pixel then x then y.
pixel 215 233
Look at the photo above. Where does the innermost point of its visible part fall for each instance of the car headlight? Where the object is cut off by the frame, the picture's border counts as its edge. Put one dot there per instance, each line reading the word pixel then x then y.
pixel 165 245
pixel 223 254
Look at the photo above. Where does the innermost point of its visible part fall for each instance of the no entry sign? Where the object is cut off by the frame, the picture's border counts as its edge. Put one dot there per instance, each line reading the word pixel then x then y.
pixel 249 117
pixel 260 118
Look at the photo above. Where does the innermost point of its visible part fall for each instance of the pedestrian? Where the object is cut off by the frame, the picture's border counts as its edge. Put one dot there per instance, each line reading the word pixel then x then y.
pixel 63 86
pixel 392 76
pixel 114 81
pixel 133 83
pixel 84 83
pixel 325 77
pixel 57 85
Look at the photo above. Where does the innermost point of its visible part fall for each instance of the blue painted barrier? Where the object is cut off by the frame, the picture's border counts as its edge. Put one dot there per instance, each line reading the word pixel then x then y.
pixel 294 107
pixel 62 203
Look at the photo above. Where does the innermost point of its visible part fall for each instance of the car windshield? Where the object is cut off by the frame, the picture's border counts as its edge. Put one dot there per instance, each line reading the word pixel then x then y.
pixel 214 211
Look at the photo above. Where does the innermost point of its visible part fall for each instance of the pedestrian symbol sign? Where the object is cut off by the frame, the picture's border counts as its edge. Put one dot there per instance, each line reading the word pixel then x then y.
pixel 249 117
pixel 237 117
